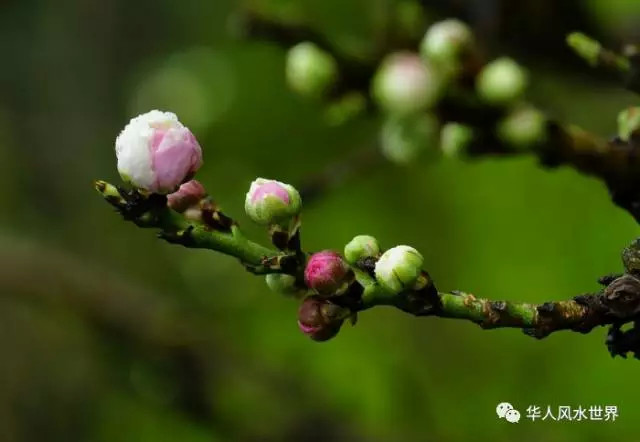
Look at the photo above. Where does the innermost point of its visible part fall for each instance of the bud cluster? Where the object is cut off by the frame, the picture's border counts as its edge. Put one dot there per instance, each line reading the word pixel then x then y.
pixel 158 155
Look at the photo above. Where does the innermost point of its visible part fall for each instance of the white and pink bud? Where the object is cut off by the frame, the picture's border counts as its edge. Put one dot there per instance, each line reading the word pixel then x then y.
pixel 157 153
pixel 399 268
pixel 326 272
pixel 272 202
pixel 404 84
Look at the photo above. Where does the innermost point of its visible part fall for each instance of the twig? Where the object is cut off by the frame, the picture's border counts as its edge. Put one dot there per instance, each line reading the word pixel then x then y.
pixel 617 304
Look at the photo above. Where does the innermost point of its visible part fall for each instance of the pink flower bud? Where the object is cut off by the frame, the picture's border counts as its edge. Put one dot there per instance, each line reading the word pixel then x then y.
pixel 326 272
pixel 188 195
pixel 320 319
pixel 157 153
pixel 270 201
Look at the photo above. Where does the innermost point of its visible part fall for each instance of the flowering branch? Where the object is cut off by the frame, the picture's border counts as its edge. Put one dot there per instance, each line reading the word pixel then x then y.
pixel 475 108
pixel 214 231
pixel 335 287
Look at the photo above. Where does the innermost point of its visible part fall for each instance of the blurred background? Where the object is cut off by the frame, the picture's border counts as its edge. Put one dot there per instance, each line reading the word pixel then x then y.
pixel 108 334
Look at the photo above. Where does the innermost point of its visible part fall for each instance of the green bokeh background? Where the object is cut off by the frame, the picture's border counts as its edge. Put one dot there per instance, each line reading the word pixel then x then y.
pixel 107 334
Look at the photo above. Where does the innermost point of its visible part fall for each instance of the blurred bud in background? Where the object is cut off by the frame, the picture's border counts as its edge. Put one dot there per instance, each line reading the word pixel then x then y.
pixel 446 43
pixel 310 70
pixel 404 84
pixel 628 122
pixel 501 82
pixel 403 140
pixel 523 127
pixel 455 138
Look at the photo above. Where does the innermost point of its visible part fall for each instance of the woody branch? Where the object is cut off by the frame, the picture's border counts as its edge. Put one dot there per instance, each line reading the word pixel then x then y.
pixel 475 108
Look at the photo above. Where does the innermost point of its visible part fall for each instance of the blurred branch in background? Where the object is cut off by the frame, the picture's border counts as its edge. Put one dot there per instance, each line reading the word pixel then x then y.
pixel 626 66
pixel 496 127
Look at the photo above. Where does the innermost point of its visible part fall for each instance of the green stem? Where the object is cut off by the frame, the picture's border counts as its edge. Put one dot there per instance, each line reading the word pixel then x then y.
pixel 538 320
pixel 579 314
pixel 179 230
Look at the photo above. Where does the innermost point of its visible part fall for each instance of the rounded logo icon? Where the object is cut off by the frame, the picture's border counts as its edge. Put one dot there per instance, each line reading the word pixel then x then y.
pixel 503 408
pixel 512 416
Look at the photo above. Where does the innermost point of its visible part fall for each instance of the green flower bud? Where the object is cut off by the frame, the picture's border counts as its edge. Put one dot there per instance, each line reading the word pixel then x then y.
pixel 446 42
pixel 501 82
pixel 402 140
pixel 281 283
pixel 455 138
pixel 272 202
pixel 362 246
pixel 628 122
pixel 398 268
pixel 310 71
pixel 523 128
pixel 404 84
